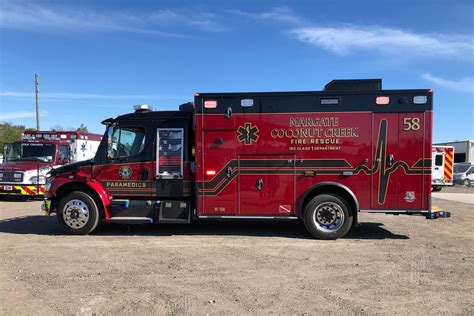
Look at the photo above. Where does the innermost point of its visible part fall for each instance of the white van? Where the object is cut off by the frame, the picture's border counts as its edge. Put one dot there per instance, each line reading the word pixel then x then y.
pixel 464 173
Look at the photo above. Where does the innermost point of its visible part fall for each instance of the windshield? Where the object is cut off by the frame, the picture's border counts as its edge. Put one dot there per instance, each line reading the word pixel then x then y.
pixel 461 168
pixel 32 151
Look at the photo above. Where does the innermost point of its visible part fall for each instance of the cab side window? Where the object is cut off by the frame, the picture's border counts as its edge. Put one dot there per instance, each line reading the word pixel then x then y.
pixel 63 153
pixel 126 142
pixel 170 153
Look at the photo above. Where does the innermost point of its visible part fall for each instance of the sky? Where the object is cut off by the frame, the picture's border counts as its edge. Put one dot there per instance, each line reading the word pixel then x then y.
pixel 96 59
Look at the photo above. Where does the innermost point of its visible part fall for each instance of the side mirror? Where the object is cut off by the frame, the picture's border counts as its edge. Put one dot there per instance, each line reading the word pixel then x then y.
pixel 65 161
pixel 6 148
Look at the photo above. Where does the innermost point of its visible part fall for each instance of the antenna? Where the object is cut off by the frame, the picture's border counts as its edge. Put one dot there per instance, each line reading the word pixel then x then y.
pixel 37 105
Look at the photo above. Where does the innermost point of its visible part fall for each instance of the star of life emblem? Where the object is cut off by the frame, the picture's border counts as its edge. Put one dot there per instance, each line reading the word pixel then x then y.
pixel 247 133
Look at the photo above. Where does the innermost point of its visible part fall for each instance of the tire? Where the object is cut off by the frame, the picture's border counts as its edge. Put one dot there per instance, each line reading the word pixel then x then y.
pixel 466 183
pixel 3 197
pixel 77 213
pixel 437 188
pixel 328 216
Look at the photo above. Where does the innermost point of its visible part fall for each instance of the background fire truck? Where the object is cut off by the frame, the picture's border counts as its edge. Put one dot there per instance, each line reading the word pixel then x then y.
pixel 318 156
pixel 27 162
pixel 442 167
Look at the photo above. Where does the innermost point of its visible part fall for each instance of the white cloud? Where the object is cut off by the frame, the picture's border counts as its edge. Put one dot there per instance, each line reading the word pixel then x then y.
pixel 347 39
pixel 465 84
pixel 280 14
pixel 86 96
pixel 32 16
pixel 16 115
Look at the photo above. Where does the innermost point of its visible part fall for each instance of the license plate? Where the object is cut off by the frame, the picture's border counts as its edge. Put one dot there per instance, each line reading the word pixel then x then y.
pixel 7 187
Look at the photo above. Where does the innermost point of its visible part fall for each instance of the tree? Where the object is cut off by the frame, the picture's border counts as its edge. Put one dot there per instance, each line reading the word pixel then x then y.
pixel 82 128
pixel 9 133
pixel 60 128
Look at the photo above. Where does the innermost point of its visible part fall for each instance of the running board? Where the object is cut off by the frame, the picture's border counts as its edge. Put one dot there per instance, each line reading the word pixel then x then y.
pixel 130 220
pixel 246 217
pixel 433 214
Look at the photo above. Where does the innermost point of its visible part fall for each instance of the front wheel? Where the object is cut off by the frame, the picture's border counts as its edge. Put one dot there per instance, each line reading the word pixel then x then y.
pixel 467 183
pixel 77 213
pixel 328 216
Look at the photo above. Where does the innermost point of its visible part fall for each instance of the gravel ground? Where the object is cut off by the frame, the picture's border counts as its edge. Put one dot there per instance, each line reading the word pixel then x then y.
pixel 390 264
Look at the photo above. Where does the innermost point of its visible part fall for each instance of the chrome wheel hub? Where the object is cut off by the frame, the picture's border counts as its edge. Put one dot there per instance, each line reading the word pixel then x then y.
pixel 76 214
pixel 328 217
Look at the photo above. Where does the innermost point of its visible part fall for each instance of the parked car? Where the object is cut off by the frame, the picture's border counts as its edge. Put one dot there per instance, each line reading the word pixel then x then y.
pixel 464 173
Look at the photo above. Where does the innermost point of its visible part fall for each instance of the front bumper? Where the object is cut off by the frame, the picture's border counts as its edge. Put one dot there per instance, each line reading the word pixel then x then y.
pixel 22 189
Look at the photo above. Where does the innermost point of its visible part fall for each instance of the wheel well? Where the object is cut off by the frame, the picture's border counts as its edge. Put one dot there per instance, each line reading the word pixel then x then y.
pixel 77 186
pixel 341 191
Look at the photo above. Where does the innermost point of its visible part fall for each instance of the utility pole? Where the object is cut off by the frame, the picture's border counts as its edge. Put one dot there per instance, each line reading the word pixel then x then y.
pixel 37 105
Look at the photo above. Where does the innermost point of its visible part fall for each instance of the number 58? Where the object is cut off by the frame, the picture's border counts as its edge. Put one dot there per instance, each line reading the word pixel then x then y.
pixel 411 124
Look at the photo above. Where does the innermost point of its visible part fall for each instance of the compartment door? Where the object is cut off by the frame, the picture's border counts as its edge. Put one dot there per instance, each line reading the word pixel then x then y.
pixel 410 170
pixel 266 185
pixel 219 188
pixel 385 152
pixel 397 178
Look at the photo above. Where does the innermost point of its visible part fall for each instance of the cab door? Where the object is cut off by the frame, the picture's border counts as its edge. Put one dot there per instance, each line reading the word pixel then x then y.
pixel 126 173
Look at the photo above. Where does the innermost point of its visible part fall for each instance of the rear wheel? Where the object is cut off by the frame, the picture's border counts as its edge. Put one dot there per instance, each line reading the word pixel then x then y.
pixel 328 216
pixel 77 213
pixel 436 188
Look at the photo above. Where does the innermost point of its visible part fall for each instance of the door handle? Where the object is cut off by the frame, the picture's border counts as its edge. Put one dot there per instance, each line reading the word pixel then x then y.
pixel 229 172
pixel 228 112
pixel 259 184
pixel 436 168
pixel 390 160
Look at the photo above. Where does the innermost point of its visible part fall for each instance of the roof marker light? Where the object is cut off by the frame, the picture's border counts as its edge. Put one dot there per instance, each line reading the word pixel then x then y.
pixel 210 104
pixel 420 99
pixel 382 100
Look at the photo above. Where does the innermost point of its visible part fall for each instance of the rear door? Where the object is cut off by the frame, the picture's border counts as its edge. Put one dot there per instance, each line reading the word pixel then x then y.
pixel 438 161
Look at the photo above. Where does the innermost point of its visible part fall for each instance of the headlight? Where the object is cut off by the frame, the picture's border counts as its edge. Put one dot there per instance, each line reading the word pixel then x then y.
pixel 45 170
pixel 17 175
pixel 35 180
pixel 47 186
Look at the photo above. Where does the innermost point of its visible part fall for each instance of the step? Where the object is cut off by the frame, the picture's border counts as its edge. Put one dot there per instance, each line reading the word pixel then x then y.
pixel 131 220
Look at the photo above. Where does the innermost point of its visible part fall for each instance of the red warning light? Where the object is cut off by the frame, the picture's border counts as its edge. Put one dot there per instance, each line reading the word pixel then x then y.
pixel 210 172
pixel 382 100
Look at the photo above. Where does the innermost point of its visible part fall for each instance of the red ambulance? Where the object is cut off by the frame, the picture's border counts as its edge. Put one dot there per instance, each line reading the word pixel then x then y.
pixel 318 156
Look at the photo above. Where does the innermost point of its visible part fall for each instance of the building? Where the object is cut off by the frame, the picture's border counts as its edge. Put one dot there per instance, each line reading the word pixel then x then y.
pixel 463 150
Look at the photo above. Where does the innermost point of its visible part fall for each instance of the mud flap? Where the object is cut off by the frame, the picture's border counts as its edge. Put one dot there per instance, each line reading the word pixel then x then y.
pixel 175 212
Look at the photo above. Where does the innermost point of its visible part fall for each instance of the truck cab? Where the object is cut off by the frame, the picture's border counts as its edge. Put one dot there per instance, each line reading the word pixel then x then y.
pixel 141 173
pixel 26 165
pixel 27 162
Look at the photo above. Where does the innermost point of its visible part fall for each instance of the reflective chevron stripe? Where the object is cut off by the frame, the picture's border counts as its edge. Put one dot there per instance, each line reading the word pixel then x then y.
pixel 448 164
pixel 24 190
